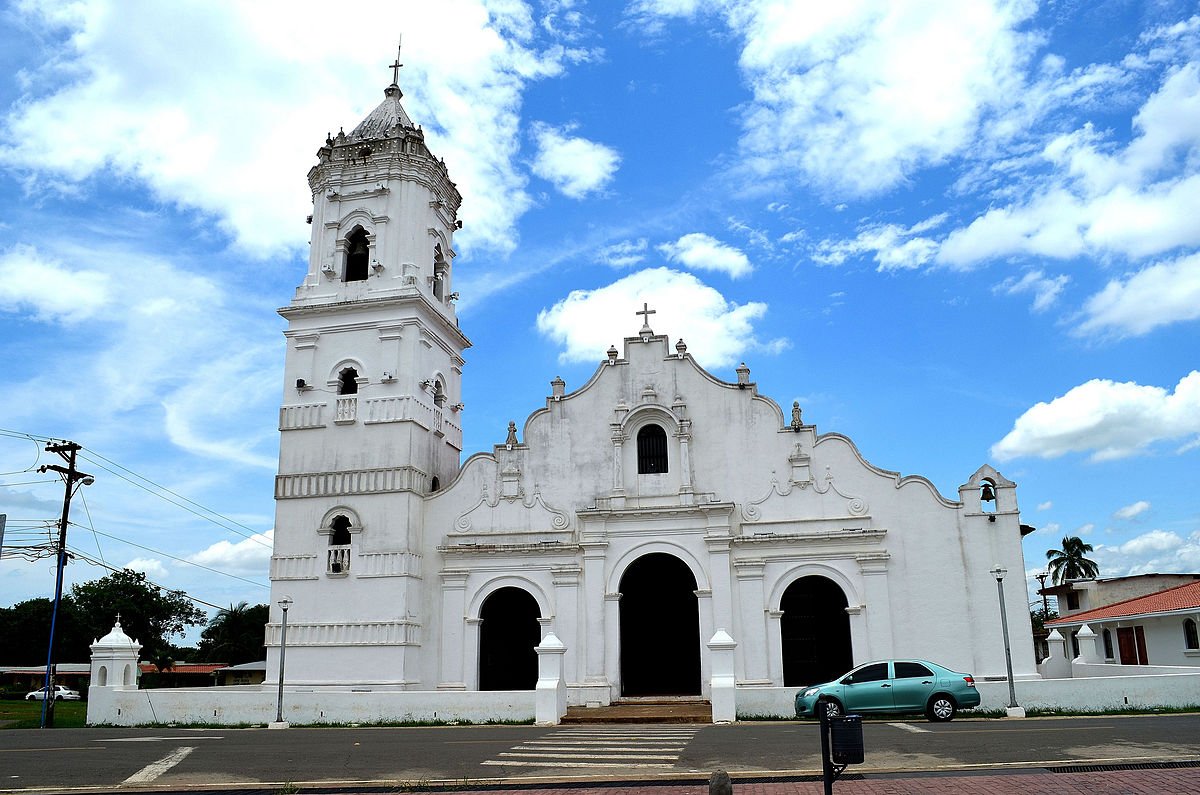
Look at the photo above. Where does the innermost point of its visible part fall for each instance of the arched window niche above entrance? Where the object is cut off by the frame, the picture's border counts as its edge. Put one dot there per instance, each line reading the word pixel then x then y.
pixel 659 627
pixel 652 450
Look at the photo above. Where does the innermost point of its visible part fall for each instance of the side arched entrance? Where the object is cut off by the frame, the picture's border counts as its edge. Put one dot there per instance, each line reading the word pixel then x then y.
pixel 660 628
pixel 508 633
pixel 816 632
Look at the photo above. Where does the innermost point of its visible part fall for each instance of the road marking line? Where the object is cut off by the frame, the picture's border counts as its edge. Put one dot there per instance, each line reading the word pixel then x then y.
pixel 908 727
pixel 646 757
pixel 155 769
pixel 603 747
pixel 517 763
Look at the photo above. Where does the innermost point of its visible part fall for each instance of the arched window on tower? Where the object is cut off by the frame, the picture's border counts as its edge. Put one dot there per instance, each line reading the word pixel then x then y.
pixel 652 450
pixel 348 382
pixel 339 545
pixel 358 255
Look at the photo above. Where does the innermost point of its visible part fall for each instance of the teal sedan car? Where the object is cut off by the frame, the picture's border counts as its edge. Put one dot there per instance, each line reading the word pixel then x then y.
pixel 892 686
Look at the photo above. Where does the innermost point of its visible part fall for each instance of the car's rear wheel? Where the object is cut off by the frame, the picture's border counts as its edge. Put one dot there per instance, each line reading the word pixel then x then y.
pixel 832 707
pixel 941 708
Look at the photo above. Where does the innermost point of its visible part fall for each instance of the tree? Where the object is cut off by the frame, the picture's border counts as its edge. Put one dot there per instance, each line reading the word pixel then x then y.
pixel 1070 562
pixel 149 614
pixel 25 633
pixel 235 635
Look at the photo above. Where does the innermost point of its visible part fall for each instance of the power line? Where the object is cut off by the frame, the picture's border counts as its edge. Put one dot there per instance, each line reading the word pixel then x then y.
pixel 252 536
pixel 83 556
pixel 175 558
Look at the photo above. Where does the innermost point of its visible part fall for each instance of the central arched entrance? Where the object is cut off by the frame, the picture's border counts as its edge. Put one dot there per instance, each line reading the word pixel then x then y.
pixel 660 628
pixel 816 632
pixel 508 633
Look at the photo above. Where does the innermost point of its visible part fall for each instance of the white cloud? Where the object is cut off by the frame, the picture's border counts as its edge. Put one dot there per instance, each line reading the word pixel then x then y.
pixel 1045 506
pixel 699 251
pixel 1132 510
pixel 249 556
pixel 894 247
pixel 31 281
pixel 231 139
pixel 623 254
pixel 1045 289
pixel 574 165
pixel 1135 202
pixel 1113 420
pixel 153 568
pixel 1160 294
pixel 857 96
pixel 717 332
pixel 1154 552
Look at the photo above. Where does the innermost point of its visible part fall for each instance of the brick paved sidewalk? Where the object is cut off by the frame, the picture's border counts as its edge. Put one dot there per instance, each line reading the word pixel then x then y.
pixel 1123 782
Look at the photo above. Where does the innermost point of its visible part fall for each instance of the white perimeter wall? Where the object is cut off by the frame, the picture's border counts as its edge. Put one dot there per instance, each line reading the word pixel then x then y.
pixel 252 704
pixel 1081 694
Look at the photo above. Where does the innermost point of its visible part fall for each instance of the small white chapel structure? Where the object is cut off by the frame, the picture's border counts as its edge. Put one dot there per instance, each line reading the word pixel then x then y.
pixel 633 518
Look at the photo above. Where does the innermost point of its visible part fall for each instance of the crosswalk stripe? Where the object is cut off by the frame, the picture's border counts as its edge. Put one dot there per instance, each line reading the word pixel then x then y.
pixel 599 747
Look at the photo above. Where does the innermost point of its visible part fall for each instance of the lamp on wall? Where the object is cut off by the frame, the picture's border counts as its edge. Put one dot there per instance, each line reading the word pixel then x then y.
pixel 377 266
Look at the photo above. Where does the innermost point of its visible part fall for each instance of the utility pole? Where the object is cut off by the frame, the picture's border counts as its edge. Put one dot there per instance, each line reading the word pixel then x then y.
pixel 66 451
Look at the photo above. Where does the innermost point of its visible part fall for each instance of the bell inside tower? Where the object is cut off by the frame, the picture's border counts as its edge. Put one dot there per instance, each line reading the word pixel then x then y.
pixel 358 252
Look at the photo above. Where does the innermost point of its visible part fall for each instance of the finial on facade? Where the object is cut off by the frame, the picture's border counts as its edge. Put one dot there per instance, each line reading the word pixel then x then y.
pixel 612 354
pixel 646 312
pixel 796 415
pixel 680 348
pixel 511 441
pixel 743 374
pixel 558 387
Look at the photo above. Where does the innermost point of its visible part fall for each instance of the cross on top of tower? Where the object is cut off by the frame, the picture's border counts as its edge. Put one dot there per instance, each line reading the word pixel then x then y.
pixel 395 65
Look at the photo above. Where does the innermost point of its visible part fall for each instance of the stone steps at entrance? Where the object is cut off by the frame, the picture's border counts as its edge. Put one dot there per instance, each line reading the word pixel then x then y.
pixel 643 710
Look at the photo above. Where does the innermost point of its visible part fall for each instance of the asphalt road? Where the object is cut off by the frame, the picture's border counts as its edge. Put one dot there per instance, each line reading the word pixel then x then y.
pixel 62 759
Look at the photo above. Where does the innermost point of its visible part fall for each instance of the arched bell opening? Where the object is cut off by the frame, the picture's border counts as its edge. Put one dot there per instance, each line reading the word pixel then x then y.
pixel 660 628
pixel 509 632
pixel 358 255
pixel 815 631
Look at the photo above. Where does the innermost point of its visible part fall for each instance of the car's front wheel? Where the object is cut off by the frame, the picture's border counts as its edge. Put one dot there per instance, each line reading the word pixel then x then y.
pixel 832 707
pixel 941 708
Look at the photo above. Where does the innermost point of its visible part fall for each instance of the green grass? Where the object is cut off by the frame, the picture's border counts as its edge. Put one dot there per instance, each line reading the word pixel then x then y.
pixel 22 714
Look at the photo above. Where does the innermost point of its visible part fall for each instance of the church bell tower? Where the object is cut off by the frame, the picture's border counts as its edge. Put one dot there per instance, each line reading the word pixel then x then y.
pixel 370 422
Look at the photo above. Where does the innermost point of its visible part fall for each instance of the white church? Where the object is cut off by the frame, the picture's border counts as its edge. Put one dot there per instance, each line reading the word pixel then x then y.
pixel 632 518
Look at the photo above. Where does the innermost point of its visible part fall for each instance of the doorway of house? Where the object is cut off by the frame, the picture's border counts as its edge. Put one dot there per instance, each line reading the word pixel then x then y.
pixel 660 628
pixel 816 632
pixel 508 633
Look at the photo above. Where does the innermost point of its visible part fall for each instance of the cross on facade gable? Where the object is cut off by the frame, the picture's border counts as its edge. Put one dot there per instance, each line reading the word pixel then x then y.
pixel 646 312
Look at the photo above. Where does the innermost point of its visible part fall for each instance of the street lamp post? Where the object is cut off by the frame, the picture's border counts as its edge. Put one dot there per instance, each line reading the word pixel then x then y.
pixel 1013 709
pixel 284 604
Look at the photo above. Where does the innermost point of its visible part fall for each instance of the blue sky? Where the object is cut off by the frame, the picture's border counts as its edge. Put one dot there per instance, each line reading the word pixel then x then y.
pixel 958 231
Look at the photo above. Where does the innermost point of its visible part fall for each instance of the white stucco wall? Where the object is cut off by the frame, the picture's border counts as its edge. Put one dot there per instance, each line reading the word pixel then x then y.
pixel 256 705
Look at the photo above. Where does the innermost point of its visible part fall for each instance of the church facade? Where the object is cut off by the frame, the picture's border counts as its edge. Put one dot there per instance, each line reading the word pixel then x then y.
pixel 633 517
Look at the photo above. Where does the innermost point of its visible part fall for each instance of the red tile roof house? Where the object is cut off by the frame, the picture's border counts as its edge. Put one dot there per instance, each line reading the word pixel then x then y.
pixel 1153 633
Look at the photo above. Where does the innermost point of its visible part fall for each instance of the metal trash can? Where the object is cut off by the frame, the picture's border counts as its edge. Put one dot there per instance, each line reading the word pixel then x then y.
pixel 846 740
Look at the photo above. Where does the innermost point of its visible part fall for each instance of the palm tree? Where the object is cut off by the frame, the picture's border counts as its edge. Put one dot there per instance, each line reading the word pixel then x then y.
pixel 1070 562
pixel 235 635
